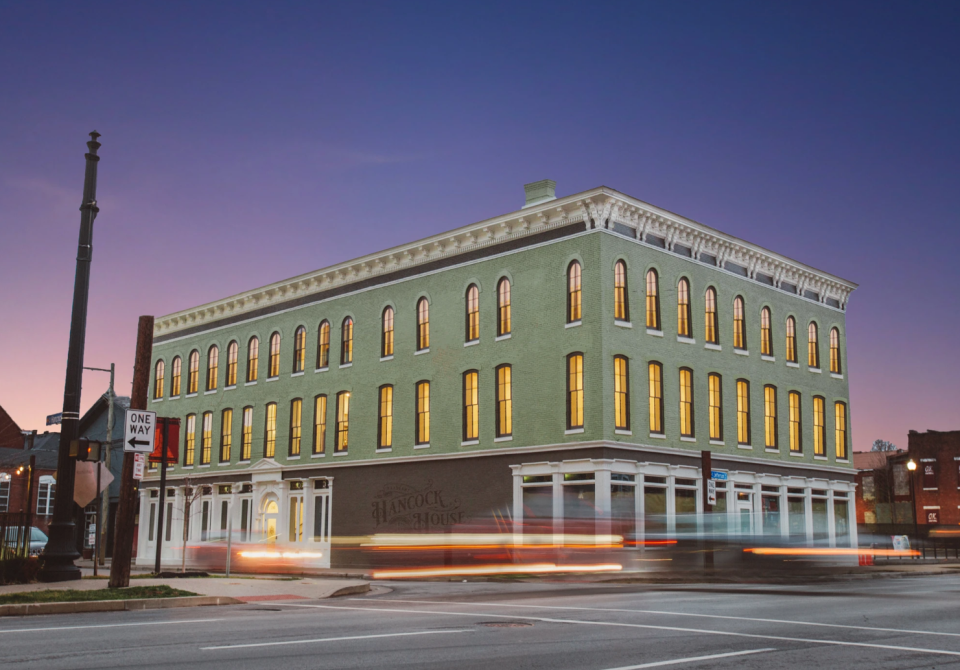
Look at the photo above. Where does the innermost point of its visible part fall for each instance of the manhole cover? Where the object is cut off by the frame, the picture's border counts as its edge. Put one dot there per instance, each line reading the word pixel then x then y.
pixel 505 624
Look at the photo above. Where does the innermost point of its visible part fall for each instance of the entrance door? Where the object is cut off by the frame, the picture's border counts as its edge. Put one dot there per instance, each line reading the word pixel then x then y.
pixel 321 524
pixel 745 513
pixel 271 514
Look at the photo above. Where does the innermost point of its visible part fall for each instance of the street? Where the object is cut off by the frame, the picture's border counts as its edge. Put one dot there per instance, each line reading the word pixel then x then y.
pixel 870 623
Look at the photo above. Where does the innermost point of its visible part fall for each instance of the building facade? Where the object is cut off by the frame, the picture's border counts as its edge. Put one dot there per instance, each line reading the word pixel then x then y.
pixel 568 360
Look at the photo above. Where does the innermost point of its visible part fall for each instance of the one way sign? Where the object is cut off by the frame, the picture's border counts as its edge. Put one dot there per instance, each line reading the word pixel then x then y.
pixel 139 430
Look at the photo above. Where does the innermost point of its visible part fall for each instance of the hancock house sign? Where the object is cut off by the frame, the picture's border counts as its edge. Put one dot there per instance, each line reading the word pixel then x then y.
pixel 410 508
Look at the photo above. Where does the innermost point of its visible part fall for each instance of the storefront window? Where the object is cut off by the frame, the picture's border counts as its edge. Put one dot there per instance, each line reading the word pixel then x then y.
pixel 797 519
pixel 655 505
pixel 841 522
pixel 579 504
pixel 821 534
pixel 623 500
pixel 771 515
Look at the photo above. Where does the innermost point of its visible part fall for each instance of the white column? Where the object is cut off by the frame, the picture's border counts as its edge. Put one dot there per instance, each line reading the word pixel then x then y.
pixel 309 506
pixel 641 510
pixel 558 508
pixel 517 507
pixel 757 510
pixel 671 505
pixel 784 512
pixel 831 520
pixel 732 521
pixel 601 492
pixel 852 518
pixel 808 513
pixel 143 530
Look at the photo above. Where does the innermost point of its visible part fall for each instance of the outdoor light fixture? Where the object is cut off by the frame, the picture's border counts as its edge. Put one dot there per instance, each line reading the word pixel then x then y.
pixel 911 465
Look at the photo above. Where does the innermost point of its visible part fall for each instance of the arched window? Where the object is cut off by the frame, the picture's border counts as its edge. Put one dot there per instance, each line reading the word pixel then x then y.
pixel 770 433
pixel 791 339
pixel 246 437
pixel 274 369
pixel 473 314
pixel 422 419
pixel 299 349
pixel 835 366
pixel 743 412
pixel 226 435
pixel 684 328
pixel 296 426
pixel 655 379
pixel 323 345
pixel 158 380
pixel 653 300
pixel 386 332
pixel 471 406
pixel 621 393
pixel 385 418
pixel 813 346
pixel 346 341
pixel 796 427
pixel 574 312
pixel 253 359
pixel 819 427
pixel 193 372
pixel 766 334
pixel 343 421
pixel 504 401
pixel 270 431
pixel 504 317
pixel 739 327
pixel 575 391
pixel 206 438
pixel 840 429
pixel 213 367
pixel 190 440
pixel 715 400
pixel 232 354
pixel 423 324
pixel 711 321
pixel 175 377
pixel 686 403
pixel 320 424
pixel 621 300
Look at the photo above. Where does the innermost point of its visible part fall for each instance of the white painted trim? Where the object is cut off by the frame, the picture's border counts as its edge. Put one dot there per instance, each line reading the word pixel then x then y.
pixel 712 347
pixel 203 465
pixel 620 431
pixel 190 395
pixel 717 443
pixel 346 365
pixel 684 438
pixel 472 342
pixel 157 400
pixel 744 446
pixel 501 338
pixel 764 357
pixel 817 370
pixel 386 358
pixel 323 369
pixel 771 450
pixel 383 450
pixel 622 324
pixel 253 383
pixel 341 453
pixel 790 364
pixel 819 458
pixel 654 332
pixel 573 324
pixel 798 454
pixel 174 397
pixel 741 352
pixel 469 443
pixel 505 438
pixel 422 446
pixel 422 351
pixel 317 455
pixel 293 458
pixel 297 374
pixel 658 436
pixel 836 376
pixel 229 388
pixel 272 379
pixel 573 431
pixel 686 340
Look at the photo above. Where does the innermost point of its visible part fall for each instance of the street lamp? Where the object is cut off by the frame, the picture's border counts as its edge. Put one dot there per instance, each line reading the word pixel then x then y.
pixel 912 467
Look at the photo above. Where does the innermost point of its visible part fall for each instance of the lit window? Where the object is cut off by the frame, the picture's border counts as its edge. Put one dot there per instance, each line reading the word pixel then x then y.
pixel 323 345
pixel 574 312
pixel 299 349
pixel 175 380
pixel 4 496
pixel 653 300
pixel 835 366
pixel 346 341
pixel 423 413
pixel 473 314
pixel 385 425
pixel 575 391
pixel 320 424
pixel 471 406
pixel 743 412
pixel 840 432
pixel 819 427
pixel 193 372
pixel 232 352
pixel 253 359
pixel 711 325
pixel 343 421
pixel 158 380
pixel 46 494
pixel 296 426
pixel 270 431
pixel 504 416
pixel 791 340
pixel 766 335
pixel 686 402
pixel 684 328
pixel 504 318
pixel 246 437
pixel 796 434
pixel 655 379
pixel 621 301
pixel 621 392
pixel 206 439
pixel 213 367
pixel 739 327
pixel 274 370
pixel 190 440
pixel 386 333
pixel 770 417
pixel 715 391
pixel 423 324
pixel 813 346
pixel 226 435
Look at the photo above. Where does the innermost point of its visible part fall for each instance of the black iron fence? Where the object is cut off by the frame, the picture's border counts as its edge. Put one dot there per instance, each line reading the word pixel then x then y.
pixel 14 535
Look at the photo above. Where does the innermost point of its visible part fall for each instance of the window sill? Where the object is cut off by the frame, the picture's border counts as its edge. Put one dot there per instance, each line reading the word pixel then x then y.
pixel 471 343
pixel 243 461
pixel 658 436
pixel 819 458
pixel 741 352
pixel 324 369
pixel 187 467
pixel 501 338
pixel 422 446
pixel 190 395
pixel 272 379
pixel 346 365
pixel 154 400
pixel 836 376
pixel 229 388
pixel 317 455
pixel 744 446
pixel 174 397
pixel 250 383
pixel 684 438
pixel 296 374
pixel 771 451
pixel 293 458
pixel 686 340
pixel 623 324
pixel 717 443
pixel 469 443
pixel 573 431
pixel 386 358
pixel 654 332
pixel 573 324
pixel 792 365
pixel 817 370
pixel 383 450
pixel 210 392
pixel 422 351
pixel 339 453
pixel 621 431
pixel 844 460
pixel 207 465
pixel 712 347
pixel 798 454
pixel 764 357
pixel 505 438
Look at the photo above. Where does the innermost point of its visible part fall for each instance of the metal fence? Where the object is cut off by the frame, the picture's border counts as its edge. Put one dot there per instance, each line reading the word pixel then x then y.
pixel 14 535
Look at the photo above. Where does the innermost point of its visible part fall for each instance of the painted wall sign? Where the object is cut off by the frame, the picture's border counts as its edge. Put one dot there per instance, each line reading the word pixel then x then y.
pixel 405 507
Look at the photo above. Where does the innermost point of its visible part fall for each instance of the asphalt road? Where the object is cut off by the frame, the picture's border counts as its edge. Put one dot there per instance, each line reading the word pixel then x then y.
pixel 872 624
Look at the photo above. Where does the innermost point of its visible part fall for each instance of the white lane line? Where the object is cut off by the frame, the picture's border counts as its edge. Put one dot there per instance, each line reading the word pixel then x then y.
pixel 336 639
pixel 692 659
pixel 690 614
pixel 701 631
pixel 108 625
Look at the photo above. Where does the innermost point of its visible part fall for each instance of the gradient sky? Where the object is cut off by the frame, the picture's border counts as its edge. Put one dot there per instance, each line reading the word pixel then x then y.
pixel 245 143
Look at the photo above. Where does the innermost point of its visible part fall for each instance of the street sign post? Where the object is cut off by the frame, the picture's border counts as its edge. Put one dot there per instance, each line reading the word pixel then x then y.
pixel 718 476
pixel 139 465
pixel 711 492
pixel 138 431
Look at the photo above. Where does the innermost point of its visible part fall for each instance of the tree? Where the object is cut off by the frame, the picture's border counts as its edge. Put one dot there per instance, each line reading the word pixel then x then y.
pixel 191 494
pixel 883 445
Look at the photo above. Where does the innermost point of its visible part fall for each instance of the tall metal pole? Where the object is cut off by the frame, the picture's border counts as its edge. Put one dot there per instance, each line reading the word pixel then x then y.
pixel 105 496
pixel 61 550
pixel 163 490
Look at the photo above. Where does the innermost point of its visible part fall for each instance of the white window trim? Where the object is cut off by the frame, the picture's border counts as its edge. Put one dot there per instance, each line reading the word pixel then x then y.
pixel 272 379
pixel 422 351
pixel 621 431
pixel 817 370
pixel 501 338
pixel 741 352
pixel 320 455
pixel 712 347
pixel 341 453
pixel 765 357
pixel 422 446
pixel 622 324
pixel 323 369
pixel 383 450
pixel 655 332
pixel 686 340
pixel 190 395
pixel 504 438
pixel 744 446
pixel 174 397
pixel 297 374
pixel 686 438
pixel 717 443
pixel 798 454
pixel 472 342
pixel 157 400
pixel 346 365
pixel 658 436
pixel 384 358
pixel 469 443
pixel 293 458
pixel 574 324
pixel 210 392
pixel 771 450
pixel 573 431
pixel 253 383
pixel 229 388
pixel 791 364
pixel 836 376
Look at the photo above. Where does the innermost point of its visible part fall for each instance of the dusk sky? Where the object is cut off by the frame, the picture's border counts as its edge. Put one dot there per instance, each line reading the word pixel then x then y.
pixel 245 143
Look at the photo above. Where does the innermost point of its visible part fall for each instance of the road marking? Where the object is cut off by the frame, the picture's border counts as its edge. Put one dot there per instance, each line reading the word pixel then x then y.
pixel 692 659
pixel 690 614
pixel 108 625
pixel 618 624
pixel 336 639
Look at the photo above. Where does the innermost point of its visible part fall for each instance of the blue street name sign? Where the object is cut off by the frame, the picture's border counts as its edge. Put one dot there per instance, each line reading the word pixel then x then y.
pixel 720 476
pixel 54 418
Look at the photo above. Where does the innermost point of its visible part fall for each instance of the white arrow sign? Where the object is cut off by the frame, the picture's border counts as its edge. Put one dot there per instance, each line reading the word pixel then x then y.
pixel 139 429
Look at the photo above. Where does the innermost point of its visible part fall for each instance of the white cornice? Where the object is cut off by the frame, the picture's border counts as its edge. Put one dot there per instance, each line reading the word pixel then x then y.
pixel 599 207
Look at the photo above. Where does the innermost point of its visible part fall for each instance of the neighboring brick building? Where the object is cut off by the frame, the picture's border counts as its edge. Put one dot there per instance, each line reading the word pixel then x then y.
pixel 13 478
pixel 11 437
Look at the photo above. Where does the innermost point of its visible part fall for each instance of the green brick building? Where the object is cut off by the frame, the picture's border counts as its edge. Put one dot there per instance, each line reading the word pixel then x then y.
pixel 569 362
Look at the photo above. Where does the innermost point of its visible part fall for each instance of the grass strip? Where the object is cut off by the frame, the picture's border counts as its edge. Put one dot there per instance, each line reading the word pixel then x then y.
pixel 74 596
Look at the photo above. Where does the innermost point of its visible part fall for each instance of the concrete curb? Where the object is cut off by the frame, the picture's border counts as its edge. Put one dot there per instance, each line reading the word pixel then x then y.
pixel 351 590
pixel 27 609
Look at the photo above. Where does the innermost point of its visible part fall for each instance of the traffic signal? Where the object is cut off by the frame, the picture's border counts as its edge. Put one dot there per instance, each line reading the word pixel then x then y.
pixel 85 450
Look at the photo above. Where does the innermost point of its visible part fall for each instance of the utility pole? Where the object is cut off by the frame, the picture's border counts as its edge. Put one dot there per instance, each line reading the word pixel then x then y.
pixel 127 505
pixel 61 550
pixel 103 499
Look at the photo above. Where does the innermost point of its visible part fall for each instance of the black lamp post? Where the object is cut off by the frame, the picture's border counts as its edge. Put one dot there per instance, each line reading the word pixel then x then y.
pixel 912 468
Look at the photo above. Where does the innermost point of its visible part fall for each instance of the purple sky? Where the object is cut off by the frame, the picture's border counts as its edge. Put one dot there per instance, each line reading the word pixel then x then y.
pixel 247 143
